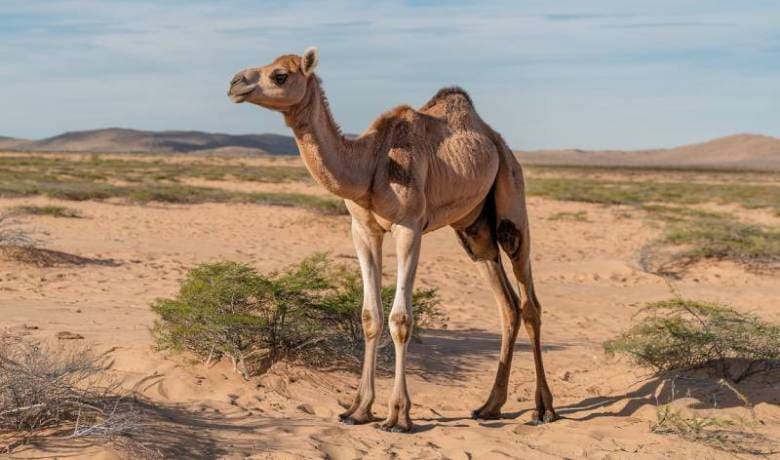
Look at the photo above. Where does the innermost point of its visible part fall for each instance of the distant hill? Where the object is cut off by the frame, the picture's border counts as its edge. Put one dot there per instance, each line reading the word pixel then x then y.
pixel 118 140
pixel 10 142
pixel 740 151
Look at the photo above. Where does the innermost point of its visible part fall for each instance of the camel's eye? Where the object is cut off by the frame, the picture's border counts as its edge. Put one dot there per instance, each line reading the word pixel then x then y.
pixel 280 78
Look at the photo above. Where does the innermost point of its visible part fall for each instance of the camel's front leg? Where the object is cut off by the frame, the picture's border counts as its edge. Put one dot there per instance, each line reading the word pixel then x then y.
pixel 368 245
pixel 400 321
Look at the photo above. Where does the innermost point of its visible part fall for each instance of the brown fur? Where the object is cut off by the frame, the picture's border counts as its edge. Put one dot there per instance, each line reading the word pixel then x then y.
pixel 411 172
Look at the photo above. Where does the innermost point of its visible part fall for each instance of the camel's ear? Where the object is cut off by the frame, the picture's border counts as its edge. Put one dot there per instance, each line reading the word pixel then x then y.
pixel 309 60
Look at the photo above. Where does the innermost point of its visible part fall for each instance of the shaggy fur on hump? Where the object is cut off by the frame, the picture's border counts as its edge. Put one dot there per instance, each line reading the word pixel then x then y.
pixel 446 92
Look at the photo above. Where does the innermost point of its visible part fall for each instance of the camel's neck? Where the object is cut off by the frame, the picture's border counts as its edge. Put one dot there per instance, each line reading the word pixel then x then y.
pixel 341 165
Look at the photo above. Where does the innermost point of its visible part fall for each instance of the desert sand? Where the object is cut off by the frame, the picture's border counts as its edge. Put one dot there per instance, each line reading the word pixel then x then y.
pixel 588 279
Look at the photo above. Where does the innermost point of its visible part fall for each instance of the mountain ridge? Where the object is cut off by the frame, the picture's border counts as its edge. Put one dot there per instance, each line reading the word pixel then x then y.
pixel 744 150
pixel 124 140
pixel 741 151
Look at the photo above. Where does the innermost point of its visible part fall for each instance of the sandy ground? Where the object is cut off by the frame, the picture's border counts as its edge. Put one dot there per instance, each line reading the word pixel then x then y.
pixel 588 280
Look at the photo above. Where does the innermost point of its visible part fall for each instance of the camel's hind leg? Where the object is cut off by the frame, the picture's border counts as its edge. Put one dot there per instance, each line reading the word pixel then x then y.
pixel 514 237
pixel 479 241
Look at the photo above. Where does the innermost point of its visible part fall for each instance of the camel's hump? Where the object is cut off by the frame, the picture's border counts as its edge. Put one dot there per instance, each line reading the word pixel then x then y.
pixel 453 94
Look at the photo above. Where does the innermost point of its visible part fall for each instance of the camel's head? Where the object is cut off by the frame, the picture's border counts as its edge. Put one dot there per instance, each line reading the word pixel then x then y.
pixel 278 85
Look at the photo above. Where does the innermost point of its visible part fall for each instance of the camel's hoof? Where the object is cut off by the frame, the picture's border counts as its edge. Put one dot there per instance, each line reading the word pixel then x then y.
pixel 481 414
pixel 354 420
pixel 396 428
pixel 548 417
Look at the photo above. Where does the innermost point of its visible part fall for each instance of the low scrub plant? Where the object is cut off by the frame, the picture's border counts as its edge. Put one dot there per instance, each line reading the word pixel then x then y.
pixel 311 311
pixel 736 436
pixel 46 391
pixel 46 210
pixel 681 334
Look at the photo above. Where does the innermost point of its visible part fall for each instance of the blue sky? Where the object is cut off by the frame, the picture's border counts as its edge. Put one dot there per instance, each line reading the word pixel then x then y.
pixel 547 74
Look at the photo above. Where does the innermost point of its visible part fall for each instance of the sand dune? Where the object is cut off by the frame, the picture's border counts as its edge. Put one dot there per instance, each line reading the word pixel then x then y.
pixel 741 151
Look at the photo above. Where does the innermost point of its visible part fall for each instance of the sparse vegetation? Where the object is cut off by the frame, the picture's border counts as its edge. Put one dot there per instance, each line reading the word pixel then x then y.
pixel 578 216
pixel 699 234
pixel 46 210
pixel 711 235
pixel 726 434
pixel 100 168
pixel 725 238
pixel 174 193
pixel 144 181
pixel 681 334
pixel 637 193
pixel 10 233
pixel 309 311
pixel 57 392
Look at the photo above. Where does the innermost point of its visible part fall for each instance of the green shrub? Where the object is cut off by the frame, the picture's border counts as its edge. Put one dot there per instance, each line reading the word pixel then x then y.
pixel 680 334
pixel 310 311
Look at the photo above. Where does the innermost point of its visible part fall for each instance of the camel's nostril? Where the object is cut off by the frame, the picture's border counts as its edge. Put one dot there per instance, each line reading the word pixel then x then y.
pixel 237 79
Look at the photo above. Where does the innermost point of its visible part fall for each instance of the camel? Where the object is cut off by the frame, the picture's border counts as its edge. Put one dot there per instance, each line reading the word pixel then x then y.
pixel 412 172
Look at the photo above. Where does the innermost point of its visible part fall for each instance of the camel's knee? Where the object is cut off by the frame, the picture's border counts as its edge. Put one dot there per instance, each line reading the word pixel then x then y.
pixel 372 323
pixel 531 314
pixel 400 326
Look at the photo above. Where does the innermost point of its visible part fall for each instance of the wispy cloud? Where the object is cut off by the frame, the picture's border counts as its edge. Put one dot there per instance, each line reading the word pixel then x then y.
pixel 598 74
pixel 584 16
pixel 661 25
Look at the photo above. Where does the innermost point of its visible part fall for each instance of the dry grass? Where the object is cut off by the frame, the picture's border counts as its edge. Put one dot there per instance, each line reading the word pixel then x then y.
pixel 46 258
pixel 695 235
pixel 47 392
pixel 46 210
pixel 736 436
pixel 10 232
pixel 96 179
pixel 98 168
pixel 637 193
pixel 578 216
pixel 168 193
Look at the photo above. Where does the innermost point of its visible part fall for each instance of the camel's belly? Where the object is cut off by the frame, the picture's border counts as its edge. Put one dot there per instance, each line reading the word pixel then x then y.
pixel 459 178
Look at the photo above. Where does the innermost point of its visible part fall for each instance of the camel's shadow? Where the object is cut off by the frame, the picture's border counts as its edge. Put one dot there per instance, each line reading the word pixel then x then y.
pixel 446 356
pixel 701 389
pixel 706 390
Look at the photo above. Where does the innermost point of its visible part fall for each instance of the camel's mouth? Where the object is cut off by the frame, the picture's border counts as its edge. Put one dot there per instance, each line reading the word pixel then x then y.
pixel 239 95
